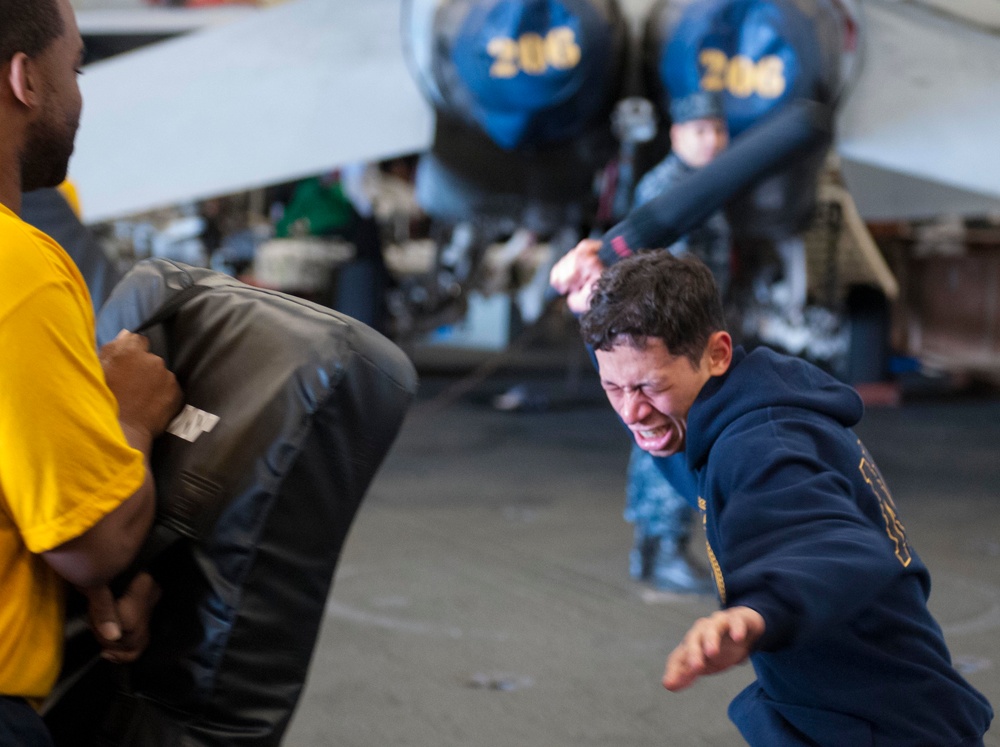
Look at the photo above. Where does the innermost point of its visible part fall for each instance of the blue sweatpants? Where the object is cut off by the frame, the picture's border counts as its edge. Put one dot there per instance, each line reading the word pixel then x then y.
pixel 20 725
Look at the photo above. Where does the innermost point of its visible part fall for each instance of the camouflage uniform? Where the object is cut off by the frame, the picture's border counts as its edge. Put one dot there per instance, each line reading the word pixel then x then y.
pixel 660 514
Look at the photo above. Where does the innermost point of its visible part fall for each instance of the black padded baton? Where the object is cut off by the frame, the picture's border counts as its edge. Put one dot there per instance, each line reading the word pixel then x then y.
pixel 770 146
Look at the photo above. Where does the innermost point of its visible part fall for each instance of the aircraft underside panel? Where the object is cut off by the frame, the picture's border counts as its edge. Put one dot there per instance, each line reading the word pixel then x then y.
pixel 924 112
pixel 468 176
pixel 284 93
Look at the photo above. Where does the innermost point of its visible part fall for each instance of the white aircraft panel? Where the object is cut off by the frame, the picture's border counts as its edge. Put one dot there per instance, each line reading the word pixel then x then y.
pixel 288 92
pixel 926 104
pixel 982 12
pixel 165 20
pixel 880 194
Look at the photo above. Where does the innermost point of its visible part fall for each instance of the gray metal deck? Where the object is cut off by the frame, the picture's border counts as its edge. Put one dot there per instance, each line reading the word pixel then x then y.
pixel 483 599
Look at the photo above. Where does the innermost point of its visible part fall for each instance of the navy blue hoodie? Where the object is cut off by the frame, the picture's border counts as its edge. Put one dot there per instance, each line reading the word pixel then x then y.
pixel 802 528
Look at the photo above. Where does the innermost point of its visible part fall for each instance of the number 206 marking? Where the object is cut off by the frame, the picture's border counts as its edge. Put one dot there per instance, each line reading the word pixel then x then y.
pixel 741 76
pixel 533 53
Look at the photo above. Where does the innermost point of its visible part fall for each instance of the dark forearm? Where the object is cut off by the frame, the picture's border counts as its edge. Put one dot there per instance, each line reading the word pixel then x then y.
pixel 109 547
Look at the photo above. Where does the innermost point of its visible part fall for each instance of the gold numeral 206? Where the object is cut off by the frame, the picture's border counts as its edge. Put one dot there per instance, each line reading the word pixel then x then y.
pixel 533 53
pixel 741 76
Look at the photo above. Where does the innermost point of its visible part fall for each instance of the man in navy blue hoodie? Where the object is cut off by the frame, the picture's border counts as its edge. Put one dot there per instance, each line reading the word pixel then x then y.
pixel 819 585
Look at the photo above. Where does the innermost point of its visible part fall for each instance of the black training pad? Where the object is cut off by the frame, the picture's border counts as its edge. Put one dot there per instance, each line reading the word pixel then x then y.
pixel 251 516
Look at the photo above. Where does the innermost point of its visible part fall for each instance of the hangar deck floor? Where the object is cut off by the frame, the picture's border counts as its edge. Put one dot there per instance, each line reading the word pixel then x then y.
pixel 483 600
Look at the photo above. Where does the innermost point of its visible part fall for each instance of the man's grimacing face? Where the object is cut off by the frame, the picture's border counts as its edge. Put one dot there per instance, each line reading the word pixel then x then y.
pixel 652 391
pixel 46 154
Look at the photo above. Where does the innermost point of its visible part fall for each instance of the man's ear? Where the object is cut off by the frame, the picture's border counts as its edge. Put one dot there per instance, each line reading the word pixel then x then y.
pixel 22 79
pixel 720 352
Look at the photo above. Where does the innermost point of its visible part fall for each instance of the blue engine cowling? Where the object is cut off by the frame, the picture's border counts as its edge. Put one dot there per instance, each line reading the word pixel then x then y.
pixel 760 55
pixel 527 73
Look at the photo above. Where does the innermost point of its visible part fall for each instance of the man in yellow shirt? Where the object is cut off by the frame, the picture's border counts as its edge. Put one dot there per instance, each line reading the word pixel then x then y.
pixel 76 427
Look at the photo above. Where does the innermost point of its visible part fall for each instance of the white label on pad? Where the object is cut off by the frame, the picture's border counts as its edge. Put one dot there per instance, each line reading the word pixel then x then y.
pixel 191 423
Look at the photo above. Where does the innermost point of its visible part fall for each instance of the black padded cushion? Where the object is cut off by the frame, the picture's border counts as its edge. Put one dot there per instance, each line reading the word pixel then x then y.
pixel 251 515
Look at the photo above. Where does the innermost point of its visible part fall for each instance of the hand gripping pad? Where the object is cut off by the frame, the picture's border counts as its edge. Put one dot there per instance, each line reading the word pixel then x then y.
pixel 251 513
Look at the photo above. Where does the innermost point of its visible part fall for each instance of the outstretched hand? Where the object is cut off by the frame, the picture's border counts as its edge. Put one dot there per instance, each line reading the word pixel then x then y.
pixel 576 273
pixel 712 645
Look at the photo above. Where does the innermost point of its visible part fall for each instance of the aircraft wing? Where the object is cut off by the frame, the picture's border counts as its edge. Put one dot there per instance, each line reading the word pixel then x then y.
pixel 273 96
pixel 302 87
pixel 918 135
pixel 154 21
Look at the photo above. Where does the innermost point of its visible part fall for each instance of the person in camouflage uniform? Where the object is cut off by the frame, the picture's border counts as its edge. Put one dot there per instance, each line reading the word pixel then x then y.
pixel 654 503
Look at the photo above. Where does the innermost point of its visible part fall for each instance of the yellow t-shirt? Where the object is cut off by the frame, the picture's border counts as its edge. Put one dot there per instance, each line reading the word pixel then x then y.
pixel 64 461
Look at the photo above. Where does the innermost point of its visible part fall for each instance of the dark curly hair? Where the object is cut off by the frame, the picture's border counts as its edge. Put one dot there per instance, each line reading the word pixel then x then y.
pixel 28 26
pixel 655 294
